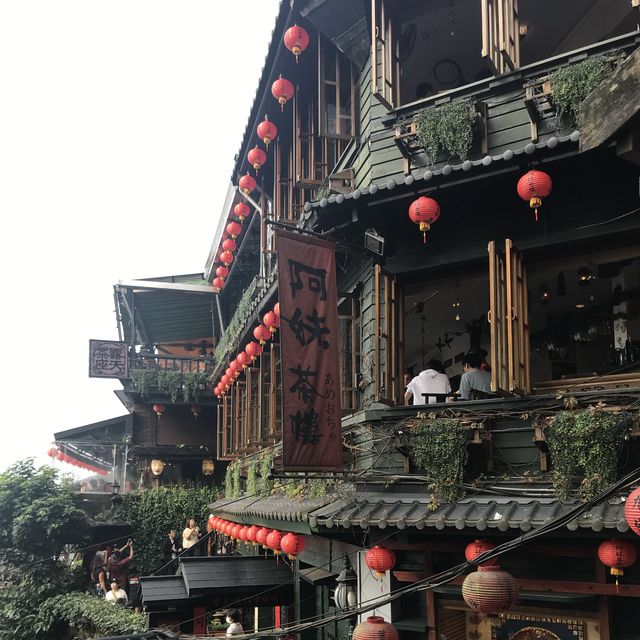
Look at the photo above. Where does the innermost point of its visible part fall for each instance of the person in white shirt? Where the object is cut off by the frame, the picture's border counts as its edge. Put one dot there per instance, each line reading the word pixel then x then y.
pixel 433 380
pixel 190 537
pixel 233 620
pixel 116 595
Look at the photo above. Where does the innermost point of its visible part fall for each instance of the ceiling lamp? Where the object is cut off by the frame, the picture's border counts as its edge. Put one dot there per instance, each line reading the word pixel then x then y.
pixel 256 157
pixel 293 545
pixel 247 184
pixel 267 131
pixel 254 350
pixel 380 560
pixel 375 628
pixel 533 186
pixel 159 409
pixel 262 334
pixel 585 276
pixel 282 91
pixel 490 590
pixel 234 229
pixel 271 321
pixel 274 540
pixel 477 548
pixel 424 211
pixel 296 39
pixel 617 555
pixel 226 257
pixel 632 511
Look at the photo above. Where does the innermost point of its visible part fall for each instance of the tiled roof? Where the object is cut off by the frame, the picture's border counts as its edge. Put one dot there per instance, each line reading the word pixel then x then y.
pixel 272 508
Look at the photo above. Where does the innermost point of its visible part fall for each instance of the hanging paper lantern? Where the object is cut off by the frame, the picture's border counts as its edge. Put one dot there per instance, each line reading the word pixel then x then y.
pixel 296 39
pixel 262 334
pixel 424 211
pixel 282 91
pixel 226 257
pixel 235 531
pixel 490 590
pixel 235 367
pixel 533 186
pixel 254 350
pixel 224 380
pixel 195 410
pixel 267 131
pixel 218 284
pixel 276 309
pixel 222 271
pixel 262 535
pixel 53 452
pixel 217 392
pixel 271 321
pixel 273 541
pixel 292 544
pixel 159 409
pixel 380 560
pixel 243 359
pixel 256 157
pixel 375 628
pixel 234 229
pixel 229 245
pixel 617 555
pixel 241 211
pixel 478 547
pixel 212 521
pixel 247 184
pixel 632 511
pixel 242 534
pixel 252 532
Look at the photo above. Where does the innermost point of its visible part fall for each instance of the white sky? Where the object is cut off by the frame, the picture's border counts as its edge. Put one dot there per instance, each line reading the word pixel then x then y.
pixel 119 121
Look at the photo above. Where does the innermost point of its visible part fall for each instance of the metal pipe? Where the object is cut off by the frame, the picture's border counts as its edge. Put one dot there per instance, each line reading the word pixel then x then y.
pixel 220 315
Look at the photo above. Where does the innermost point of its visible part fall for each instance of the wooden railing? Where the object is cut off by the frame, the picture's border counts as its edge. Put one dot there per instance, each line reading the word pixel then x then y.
pixel 181 364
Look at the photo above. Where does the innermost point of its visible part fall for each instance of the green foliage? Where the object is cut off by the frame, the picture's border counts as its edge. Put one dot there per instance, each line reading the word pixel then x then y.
pixel 266 484
pixel 192 383
pixel 237 487
pixel 252 477
pixel 440 448
pixel 170 382
pixel 228 481
pixel 144 380
pixel 572 83
pixel 155 512
pixel 447 128
pixel 318 488
pixel 585 444
pixel 88 616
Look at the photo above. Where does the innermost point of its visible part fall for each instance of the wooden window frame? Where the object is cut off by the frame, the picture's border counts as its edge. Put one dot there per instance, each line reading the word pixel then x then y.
pixel 385 85
pixel 501 35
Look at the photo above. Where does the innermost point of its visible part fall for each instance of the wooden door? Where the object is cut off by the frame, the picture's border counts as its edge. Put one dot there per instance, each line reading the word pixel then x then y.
pixel 385 62
pixel 501 35
pixel 509 320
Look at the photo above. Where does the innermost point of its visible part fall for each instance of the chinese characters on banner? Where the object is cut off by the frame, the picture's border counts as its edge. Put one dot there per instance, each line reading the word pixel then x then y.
pixel 311 431
pixel 108 359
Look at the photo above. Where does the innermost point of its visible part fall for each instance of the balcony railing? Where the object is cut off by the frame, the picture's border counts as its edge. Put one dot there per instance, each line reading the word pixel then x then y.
pixel 181 364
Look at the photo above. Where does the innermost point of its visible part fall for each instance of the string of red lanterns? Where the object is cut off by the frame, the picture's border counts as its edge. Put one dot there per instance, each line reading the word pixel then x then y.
pixel 55 453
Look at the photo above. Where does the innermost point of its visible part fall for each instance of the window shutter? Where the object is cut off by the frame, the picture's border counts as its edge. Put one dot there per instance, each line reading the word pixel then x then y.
pixel 385 65
pixel 501 35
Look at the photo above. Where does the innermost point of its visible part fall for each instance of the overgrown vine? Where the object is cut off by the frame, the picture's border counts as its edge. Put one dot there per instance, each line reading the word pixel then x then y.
pixel 170 382
pixel 237 486
pixel 266 484
pixel 585 444
pixel 228 480
pixel 252 477
pixel 144 380
pixel 192 383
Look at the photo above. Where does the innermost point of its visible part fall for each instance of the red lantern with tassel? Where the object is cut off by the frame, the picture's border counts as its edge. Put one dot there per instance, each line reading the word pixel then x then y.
pixel 252 532
pixel 617 555
pixel 267 131
pixel 375 628
pixel 53 452
pixel 234 229
pixel 227 258
pixel 282 90
pixel 244 359
pixel 490 590
pixel 242 534
pixel 632 511
pixel 212 521
pixel 274 540
pixel 276 309
pixel 159 409
pixel 229 245
pixel 478 547
pixel 271 321
pixel 292 544
pixel 247 184
pixel 533 186
pixel 235 531
pixel 222 272
pixel 241 211
pixel 256 157
pixel 254 350
pixel 296 39
pixel 262 535
pixel 380 560
pixel 262 334
pixel 218 284
pixel 424 211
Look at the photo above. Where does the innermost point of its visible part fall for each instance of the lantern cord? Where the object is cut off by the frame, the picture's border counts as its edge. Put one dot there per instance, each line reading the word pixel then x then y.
pixel 598 224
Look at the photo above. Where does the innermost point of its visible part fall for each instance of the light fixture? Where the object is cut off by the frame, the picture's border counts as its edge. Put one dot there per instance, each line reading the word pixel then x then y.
pixel 157 467
pixel 116 498
pixel 346 594
pixel 544 294
pixel 456 308
pixel 208 467
pixel 374 242
pixel 585 276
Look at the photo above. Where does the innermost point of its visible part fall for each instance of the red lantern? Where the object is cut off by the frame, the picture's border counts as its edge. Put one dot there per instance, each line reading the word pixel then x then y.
pixel 380 560
pixel 242 534
pixel 212 521
pixel 273 541
pixel 256 157
pixel 216 392
pixel 159 409
pixel 226 257
pixel 282 91
pixel 478 547
pixel 229 245
pixel 53 452
pixel 375 628
pixel 424 212
pixel 533 186
pixel 292 544
pixel 241 211
pixel 254 350
pixel 243 359
pixel 218 284
pixel 618 555
pixel 224 380
pixel 262 535
pixel 271 321
pixel 276 309
pixel 267 131
pixel 195 410
pixel 247 184
pixel 235 531
pixel 252 532
pixel 222 272
pixel 262 334
pixel 632 511
pixel 236 367
pixel 234 229
pixel 490 590
pixel 296 39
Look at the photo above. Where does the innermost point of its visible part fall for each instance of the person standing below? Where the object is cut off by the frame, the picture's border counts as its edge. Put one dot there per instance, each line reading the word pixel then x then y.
pixel 473 378
pixel 118 564
pixel 233 620
pixel 432 382
pixel 116 595
pixel 170 550
pixel 190 537
pixel 100 573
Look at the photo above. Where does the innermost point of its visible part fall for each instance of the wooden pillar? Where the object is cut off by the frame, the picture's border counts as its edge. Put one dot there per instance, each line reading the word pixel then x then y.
pixel 431 601
pixel 603 604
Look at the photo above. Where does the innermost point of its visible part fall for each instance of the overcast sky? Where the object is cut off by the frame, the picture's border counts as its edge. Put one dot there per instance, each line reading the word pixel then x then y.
pixel 119 121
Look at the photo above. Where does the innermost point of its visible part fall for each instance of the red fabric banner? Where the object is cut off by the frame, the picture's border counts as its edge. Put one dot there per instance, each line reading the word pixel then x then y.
pixel 311 428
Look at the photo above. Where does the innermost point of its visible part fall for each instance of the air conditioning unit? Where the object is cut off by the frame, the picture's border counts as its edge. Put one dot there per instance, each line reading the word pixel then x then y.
pixel 374 242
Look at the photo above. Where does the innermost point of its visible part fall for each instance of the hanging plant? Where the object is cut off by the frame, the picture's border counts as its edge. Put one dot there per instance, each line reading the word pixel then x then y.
pixel 228 481
pixel 237 486
pixel 266 483
pixel 585 444
pixel 252 478
pixel 447 129
pixel 144 379
pixel 170 382
pixel 440 448
pixel 318 488
pixel 192 383
pixel 571 84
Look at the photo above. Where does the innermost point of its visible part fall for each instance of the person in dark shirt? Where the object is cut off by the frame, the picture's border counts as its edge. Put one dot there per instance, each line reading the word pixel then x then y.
pixel 118 564
pixel 170 549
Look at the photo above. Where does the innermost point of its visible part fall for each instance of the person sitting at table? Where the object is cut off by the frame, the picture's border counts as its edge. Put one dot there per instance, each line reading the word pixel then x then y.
pixel 473 378
pixel 428 384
